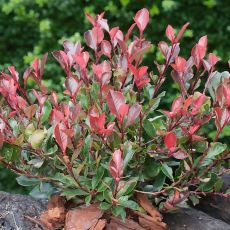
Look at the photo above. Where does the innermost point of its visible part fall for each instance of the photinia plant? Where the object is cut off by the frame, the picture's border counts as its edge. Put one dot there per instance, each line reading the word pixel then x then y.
pixel 107 137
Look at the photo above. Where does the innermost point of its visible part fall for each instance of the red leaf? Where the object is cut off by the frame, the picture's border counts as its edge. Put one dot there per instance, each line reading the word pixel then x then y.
pixel 42 65
pixel 170 33
pixel 222 118
pixel 61 137
pixel 56 116
pixel 115 100
pixel 72 86
pixel 116 35
pixel 180 154
pixel 140 76
pixel 164 48
pixel 1 140
pixel 142 19
pixel 170 141
pixel 116 166
pixel 181 32
pixel 106 48
pixel 180 64
pixel 82 59
pixel 212 59
pixel 133 113
pixel 94 37
pixel 14 73
pixel 62 58
pixel 129 31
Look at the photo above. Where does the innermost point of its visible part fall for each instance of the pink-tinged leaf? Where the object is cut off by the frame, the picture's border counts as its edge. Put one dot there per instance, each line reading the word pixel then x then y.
pixel 62 58
pixel 56 117
pixel 1 140
pixel 97 123
pixel 72 86
pixel 116 35
pixel 82 59
pixel 116 166
pixel 94 37
pixel 14 73
pixel 140 76
pixel 102 22
pixel 212 59
pixel 181 32
pixel 203 41
pixel 180 64
pixel 61 137
pixel 35 66
pixel 123 110
pixel 206 65
pixel 115 100
pixel 30 111
pixel 90 19
pixel 180 154
pixel 54 99
pixel 142 19
pixel 170 141
pixel 101 69
pixel 170 33
pixel 198 101
pixel 223 95
pixel 43 62
pixel 106 48
pixel 229 63
pixel 129 31
pixel 75 111
pixel 109 130
pixel 164 48
pixel 133 113
pixel 27 74
pixel 41 99
pixel 177 104
pixel 222 118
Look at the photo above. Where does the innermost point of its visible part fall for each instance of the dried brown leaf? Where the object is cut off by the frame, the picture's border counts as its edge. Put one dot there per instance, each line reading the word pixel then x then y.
pixel 100 225
pixel 83 217
pixel 148 207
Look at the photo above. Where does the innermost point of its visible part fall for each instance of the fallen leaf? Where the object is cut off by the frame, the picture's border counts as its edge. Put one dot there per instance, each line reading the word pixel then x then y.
pixel 148 207
pixel 119 224
pixel 149 225
pixel 100 225
pixel 54 217
pixel 83 217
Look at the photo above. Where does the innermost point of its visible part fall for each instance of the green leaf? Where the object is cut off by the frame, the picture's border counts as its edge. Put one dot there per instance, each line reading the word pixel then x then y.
pixel 73 193
pixel 88 199
pixel 37 162
pixel 159 182
pixel 43 191
pixel 167 171
pixel 126 187
pixel 149 128
pixel 105 184
pixel 119 211
pixel 10 152
pixel 194 198
pixel 37 138
pixel 66 180
pixel 208 186
pixel 123 201
pixel 98 177
pixel 107 194
pixel 128 154
pixel 46 111
pixel 105 206
pixel 25 181
pixel 151 168
pixel 214 150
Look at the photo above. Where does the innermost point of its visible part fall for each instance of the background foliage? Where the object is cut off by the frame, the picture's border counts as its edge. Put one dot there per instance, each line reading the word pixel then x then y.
pixel 30 28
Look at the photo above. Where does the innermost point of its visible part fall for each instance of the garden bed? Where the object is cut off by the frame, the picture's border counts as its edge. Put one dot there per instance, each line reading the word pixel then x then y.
pixel 15 211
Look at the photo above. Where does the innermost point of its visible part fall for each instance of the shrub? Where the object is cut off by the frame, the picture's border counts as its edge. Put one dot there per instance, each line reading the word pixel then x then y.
pixel 105 139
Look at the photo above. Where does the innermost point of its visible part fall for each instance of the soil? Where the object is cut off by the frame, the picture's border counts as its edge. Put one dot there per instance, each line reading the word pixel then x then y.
pixel 15 208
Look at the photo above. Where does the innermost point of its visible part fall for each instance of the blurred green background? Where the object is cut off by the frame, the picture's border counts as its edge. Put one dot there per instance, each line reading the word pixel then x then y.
pixel 28 28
